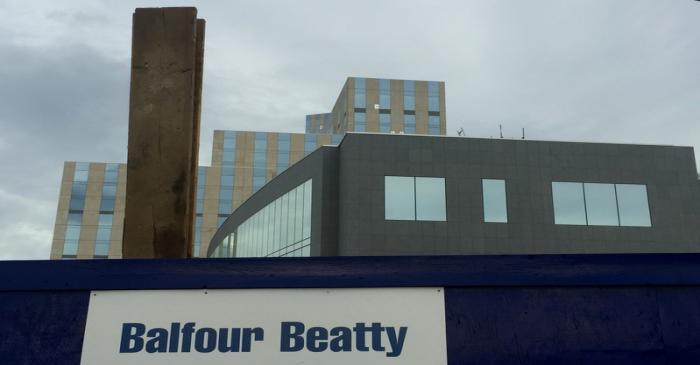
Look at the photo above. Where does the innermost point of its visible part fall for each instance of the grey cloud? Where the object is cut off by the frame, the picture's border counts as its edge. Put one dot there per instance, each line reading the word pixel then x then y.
pixel 577 70
pixel 62 103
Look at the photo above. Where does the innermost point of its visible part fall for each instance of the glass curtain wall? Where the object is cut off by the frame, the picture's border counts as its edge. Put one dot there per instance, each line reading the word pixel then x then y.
pixel 282 228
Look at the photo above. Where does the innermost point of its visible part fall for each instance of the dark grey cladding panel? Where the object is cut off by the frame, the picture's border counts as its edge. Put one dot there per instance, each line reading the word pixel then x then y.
pixel 321 166
pixel 529 167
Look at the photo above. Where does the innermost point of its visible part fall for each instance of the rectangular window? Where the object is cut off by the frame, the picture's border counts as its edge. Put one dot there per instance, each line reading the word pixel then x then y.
pixel 433 125
pixel 430 199
pixel 409 123
pixel 259 160
pixel 283 146
pixel 384 123
pixel 229 148
pixel 414 198
pixel 81 172
pixel 360 93
pixel 384 94
pixel 633 205
pixel 598 204
pixel 360 122
pixel 409 95
pixel 569 206
pixel 111 173
pixel 399 198
pixel 601 209
pixel 104 233
pixel 495 206
pixel 433 96
pixel 309 143
pixel 225 207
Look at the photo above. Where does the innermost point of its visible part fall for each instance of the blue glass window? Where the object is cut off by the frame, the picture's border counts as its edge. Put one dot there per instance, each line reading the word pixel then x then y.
pixel 384 94
pixel 409 123
pixel 309 143
pixel 494 198
pixel 597 204
pixel 226 193
pixel 75 219
pixel 360 93
pixel 259 161
pixel 229 148
pixel 283 146
pixel 430 199
pixel 633 205
pixel 111 173
pixel 201 184
pixel 360 122
pixel 225 206
pixel 414 198
pixel 569 204
pixel 72 237
pixel 109 188
pixel 433 125
pixel 409 95
pixel 384 123
pixel 226 180
pixel 433 96
pixel 601 208
pixel 81 171
pixel 107 205
pixel 80 178
pixel 104 233
pixel 399 198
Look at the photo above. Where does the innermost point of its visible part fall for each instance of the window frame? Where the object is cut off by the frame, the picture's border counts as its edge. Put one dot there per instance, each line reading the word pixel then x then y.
pixel 415 198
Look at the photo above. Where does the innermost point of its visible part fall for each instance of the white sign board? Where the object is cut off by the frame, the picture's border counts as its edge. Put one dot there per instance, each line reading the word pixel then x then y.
pixel 266 326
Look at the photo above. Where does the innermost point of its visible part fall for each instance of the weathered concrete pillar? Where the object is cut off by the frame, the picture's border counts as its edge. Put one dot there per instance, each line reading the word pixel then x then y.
pixel 166 79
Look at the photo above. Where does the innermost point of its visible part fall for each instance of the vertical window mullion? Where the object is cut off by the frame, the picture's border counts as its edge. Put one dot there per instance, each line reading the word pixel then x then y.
pixel 415 200
pixel 585 209
pixel 617 206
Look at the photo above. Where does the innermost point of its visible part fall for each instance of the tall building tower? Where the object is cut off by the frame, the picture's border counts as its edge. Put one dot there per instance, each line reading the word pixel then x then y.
pixel 390 106
pixel 90 214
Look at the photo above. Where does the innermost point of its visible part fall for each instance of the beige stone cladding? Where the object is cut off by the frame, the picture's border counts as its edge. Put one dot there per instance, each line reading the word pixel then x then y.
pixel 59 230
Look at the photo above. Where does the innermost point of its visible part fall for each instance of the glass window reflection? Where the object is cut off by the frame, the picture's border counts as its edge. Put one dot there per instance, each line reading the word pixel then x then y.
pixel 494 197
pixel 399 198
pixel 633 205
pixel 278 229
pixel 601 209
pixel 430 199
pixel 569 207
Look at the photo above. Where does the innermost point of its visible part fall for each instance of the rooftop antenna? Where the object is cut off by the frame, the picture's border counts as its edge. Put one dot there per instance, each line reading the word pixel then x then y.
pixel 460 132
pixel 500 130
pixel 523 133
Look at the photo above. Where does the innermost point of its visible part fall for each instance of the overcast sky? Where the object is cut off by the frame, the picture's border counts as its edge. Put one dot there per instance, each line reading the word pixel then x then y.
pixel 588 70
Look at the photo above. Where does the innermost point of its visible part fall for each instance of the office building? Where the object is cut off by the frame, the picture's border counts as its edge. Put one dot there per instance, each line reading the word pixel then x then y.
pixel 377 194
pixel 89 218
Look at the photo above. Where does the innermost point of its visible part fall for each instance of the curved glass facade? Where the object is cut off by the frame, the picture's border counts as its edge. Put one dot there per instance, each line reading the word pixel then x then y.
pixel 282 228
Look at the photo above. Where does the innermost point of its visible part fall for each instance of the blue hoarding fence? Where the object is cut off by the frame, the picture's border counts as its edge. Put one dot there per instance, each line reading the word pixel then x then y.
pixel 573 309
